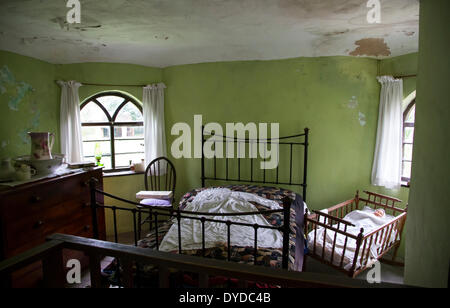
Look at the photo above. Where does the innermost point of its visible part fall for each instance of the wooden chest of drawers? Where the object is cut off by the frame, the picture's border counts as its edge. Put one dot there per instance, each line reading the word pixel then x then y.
pixel 31 212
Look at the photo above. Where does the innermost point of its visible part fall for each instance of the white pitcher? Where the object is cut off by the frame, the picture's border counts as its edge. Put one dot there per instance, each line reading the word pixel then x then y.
pixel 41 145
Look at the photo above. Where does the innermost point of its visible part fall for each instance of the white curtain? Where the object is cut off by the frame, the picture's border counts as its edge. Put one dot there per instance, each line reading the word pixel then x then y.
pixel 387 164
pixel 70 125
pixel 154 125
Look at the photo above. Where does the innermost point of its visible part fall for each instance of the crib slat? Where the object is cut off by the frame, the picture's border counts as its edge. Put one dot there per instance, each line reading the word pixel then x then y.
pixel 345 248
pixel 361 260
pixel 324 239
pixel 388 238
pixel 334 244
pixel 315 234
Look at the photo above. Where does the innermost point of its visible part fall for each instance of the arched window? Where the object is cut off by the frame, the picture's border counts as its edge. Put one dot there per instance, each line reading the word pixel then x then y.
pixel 112 126
pixel 408 139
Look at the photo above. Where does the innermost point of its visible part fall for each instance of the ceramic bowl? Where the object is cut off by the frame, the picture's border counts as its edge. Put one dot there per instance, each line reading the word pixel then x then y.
pixel 43 166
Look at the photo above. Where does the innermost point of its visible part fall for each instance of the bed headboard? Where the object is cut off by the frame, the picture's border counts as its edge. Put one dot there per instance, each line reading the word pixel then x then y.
pixel 293 171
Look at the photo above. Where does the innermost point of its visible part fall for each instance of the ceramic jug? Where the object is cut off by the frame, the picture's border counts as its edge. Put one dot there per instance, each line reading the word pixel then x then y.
pixel 6 170
pixel 41 145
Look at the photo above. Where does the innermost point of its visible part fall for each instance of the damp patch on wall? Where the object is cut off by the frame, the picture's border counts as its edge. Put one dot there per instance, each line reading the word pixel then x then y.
pixel 16 90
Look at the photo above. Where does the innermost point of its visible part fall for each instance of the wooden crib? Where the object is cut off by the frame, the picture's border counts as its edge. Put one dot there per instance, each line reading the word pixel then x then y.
pixel 386 237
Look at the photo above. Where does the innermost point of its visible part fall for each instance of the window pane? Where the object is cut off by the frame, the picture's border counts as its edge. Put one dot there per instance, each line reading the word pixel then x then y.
pixel 407 152
pixel 129 113
pixel 92 113
pixel 128 146
pixel 123 160
pixel 406 170
pixel 129 132
pixel 95 133
pixel 409 134
pixel 411 115
pixel 111 103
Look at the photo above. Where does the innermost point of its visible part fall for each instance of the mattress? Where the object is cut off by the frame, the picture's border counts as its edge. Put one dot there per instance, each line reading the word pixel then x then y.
pixel 245 254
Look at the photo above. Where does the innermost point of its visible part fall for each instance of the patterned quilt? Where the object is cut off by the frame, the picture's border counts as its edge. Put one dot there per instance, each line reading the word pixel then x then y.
pixel 265 256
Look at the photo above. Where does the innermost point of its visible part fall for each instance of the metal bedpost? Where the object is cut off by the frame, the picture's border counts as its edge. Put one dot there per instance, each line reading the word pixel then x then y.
pixel 305 166
pixel 203 157
pixel 92 186
pixel 286 231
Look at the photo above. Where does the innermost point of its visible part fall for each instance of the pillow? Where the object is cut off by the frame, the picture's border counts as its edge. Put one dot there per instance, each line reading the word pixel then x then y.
pixel 156 202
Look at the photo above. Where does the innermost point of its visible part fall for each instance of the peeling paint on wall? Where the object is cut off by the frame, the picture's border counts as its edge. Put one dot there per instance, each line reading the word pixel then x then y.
pixel 371 47
pixel 9 84
pixel 362 119
pixel 353 103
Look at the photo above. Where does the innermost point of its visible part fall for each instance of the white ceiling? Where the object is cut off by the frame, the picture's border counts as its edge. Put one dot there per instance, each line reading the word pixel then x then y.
pixel 162 33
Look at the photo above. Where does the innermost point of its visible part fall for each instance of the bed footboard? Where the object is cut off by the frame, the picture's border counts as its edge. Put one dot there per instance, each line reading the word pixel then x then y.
pixel 331 223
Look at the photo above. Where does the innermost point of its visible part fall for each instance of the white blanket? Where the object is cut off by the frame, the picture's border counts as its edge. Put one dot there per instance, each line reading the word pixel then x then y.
pixel 361 219
pixel 223 200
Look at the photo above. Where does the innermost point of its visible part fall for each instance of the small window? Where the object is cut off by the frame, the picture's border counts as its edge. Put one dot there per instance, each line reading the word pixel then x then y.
pixel 113 129
pixel 408 141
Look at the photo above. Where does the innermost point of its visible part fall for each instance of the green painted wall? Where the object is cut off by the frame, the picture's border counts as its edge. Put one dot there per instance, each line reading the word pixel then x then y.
pixel 28 102
pixel 298 93
pixel 427 244
pixel 402 66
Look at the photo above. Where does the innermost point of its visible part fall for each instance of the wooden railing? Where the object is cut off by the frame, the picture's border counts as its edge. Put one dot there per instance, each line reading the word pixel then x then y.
pixel 54 275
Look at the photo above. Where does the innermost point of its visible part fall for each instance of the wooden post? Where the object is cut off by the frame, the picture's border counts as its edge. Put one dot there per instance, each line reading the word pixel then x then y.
pixel 53 270
pixel 128 281
pixel 95 270
pixel 358 246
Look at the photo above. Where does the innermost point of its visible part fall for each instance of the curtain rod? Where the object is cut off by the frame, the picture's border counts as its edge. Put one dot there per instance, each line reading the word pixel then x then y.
pixel 110 85
pixel 405 76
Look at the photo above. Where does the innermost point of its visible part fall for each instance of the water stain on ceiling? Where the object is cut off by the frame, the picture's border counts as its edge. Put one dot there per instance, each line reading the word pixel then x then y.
pixel 164 33
pixel 374 47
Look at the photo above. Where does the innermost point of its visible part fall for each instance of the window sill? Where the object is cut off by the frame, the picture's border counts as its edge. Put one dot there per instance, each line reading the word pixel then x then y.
pixel 120 173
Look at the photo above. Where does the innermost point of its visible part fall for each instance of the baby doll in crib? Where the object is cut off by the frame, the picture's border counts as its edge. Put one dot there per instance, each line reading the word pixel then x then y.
pixel 379 213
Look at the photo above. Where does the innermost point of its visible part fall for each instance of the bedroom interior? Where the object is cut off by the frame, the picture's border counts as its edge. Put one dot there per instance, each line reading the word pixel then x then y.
pixel 310 66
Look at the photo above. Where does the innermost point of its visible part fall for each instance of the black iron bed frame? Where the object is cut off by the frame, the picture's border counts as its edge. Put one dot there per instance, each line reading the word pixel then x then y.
pixel 178 214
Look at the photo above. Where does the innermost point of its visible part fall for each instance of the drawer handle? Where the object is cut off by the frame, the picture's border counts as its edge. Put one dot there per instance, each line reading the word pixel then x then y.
pixel 86 204
pixel 36 199
pixel 38 224
pixel 87 228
